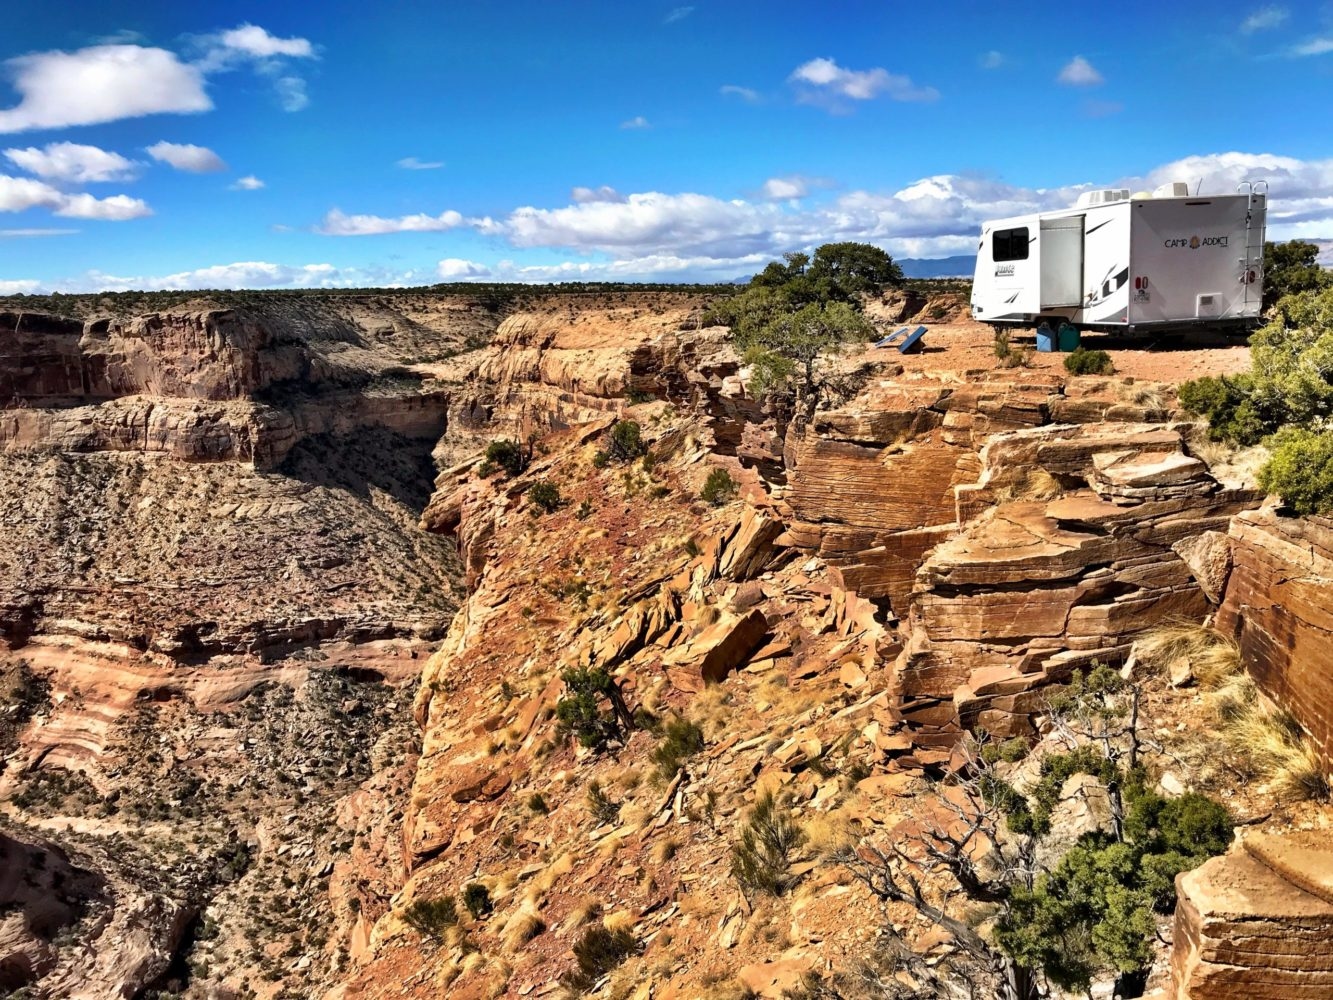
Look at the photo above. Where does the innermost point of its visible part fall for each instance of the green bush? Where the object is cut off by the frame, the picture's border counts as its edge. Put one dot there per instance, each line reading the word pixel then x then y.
pixel 681 740
pixel 1301 470
pixel 1085 362
pixel 625 441
pixel 718 488
pixel 579 710
pixel 431 917
pixel 1227 405
pixel 761 859
pixel 508 455
pixel 603 808
pixel 597 952
pixel 477 899
pixel 545 496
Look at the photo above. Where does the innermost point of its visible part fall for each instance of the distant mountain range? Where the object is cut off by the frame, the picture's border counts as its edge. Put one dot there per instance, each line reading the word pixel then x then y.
pixel 961 266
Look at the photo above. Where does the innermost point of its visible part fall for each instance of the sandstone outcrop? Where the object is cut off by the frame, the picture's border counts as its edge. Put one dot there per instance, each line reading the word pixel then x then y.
pixel 1278 606
pixel 1255 924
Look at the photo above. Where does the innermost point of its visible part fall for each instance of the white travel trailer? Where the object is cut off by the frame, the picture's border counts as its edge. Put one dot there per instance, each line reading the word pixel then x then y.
pixel 1159 262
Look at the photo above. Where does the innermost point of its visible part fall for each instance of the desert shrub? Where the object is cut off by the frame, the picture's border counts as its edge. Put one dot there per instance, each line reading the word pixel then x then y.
pixel 625 441
pixel 1301 470
pixel 681 739
pixel 718 488
pixel 508 455
pixel 761 858
pixel 477 899
pixel 1003 350
pixel 580 713
pixel 537 803
pixel 584 510
pixel 431 917
pixel 545 495
pixel 1085 362
pixel 597 952
pixel 603 808
pixel 1225 402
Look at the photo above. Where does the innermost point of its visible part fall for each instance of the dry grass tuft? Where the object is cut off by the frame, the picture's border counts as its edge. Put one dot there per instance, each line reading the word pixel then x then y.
pixel 710 709
pixel 1150 397
pixel 621 920
pixel 1213 657
pixel 827 833
pixel 1270 744
pixel 1035 484
pixel 665 849
pixel 585 913
pixel 523 926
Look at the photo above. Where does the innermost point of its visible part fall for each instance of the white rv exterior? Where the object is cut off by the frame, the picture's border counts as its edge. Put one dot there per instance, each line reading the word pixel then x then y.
pixel 1158 262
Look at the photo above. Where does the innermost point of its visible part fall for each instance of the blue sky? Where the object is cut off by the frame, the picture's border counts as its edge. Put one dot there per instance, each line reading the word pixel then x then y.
pixel 224 145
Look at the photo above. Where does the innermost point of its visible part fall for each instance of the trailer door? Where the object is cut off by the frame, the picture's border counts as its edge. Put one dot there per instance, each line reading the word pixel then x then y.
pixel 1062 262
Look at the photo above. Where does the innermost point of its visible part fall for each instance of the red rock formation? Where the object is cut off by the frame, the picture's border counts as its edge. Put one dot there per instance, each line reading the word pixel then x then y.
pixel 1255 924
pixel 1279 606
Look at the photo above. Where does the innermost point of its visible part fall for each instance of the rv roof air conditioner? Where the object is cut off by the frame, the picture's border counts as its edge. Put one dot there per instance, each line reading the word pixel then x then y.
pixel 1175 189
pixel 1102 197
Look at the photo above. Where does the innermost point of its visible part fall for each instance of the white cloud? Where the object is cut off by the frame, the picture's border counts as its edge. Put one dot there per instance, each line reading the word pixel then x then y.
pixel 604 193
pixel 336 223
pixel 269 55
pixel 117 208
pixel 74 163
pixel 25 233
pixel 746 94
pixel 20 286
pixel 291 93
pixel 677 14
pixel 100 84
pixel 250 183
pixel 246 274
pixel 18 194
pixel 1314 47
pixel 991 60
pixel 188 157
pixel 1078 72
pixel 255 41
pixel 823 80
pixel 638 121
pixel 412 163
pixel 1264 18
pixel 455 269
pixel 784 188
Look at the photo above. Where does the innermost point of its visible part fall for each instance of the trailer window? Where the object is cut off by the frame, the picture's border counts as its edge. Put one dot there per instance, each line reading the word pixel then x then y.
pixel 1010 244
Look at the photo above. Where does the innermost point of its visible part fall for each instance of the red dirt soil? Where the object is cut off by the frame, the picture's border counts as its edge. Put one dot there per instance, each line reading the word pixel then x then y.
pixel 965 346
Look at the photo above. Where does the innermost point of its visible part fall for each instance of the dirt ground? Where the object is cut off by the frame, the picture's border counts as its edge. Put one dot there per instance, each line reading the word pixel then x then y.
pixel 965 346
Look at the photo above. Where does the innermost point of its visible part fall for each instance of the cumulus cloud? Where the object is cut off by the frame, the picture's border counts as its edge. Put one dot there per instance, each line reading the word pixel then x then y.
pixel 784 188
pixel 1314 47
pixel 245 274
pixel 991 60
pixel 337 223
pixel 638 121
pixel 1263 19
pixel 412 163
pixel 823 81
pixel 188 157
pixel 249 183
pixel 677 14
pixel 267 54
pixel 102 83
pixel 746 94
pixel 603 193
pixel 18 194
pixel 73 163
pixel 456 269
pixel 19 286
pixel 1078 72
pixel 255 41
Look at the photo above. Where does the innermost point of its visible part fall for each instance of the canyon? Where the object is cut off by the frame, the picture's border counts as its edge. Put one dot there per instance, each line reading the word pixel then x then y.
pixel 283 664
